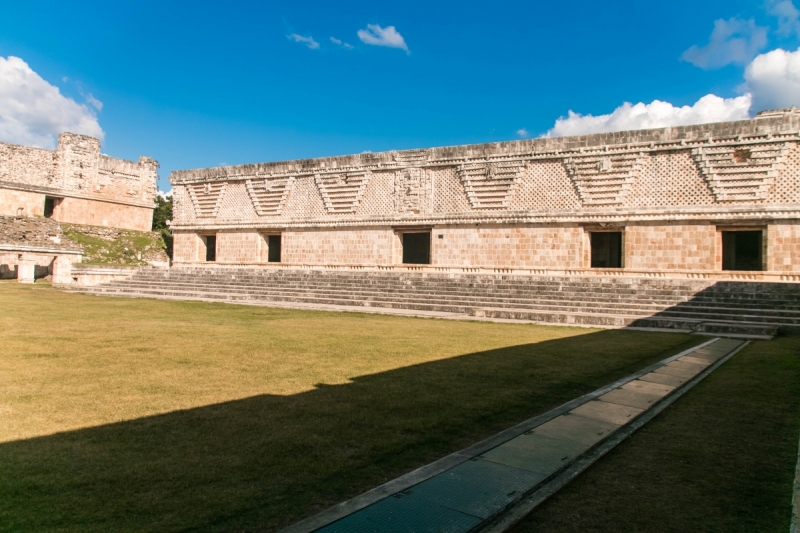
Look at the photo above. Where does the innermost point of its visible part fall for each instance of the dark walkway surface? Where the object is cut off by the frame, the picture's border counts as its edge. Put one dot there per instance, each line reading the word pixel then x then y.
pixel 493 484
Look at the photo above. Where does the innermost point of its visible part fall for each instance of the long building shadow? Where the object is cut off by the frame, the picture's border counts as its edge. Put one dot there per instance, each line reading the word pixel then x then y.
pixel 263 462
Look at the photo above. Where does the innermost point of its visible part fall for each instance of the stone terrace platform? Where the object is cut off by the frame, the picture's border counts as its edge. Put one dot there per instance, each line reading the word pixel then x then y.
pixel 703 306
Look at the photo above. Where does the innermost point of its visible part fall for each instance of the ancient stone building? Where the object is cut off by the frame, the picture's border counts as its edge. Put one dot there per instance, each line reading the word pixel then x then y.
pixel 76 183
pixel 712 201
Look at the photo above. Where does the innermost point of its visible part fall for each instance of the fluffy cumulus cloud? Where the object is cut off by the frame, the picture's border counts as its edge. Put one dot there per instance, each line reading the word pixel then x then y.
pixel 774 79
pixel 33 112
pixel 733 41
pixel 308 41
pixel 657 114
pixel 522 133
pixel 389 36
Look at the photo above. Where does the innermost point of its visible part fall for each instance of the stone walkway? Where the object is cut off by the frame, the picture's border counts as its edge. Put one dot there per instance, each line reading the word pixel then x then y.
pixel 490 486
pixel 795 527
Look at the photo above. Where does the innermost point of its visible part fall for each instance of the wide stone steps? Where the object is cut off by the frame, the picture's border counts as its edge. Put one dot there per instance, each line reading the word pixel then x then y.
pixel 774 307
pixel 435 286
pixel 561 315
pixel 575 303
pixel 721 308
pixel 638 286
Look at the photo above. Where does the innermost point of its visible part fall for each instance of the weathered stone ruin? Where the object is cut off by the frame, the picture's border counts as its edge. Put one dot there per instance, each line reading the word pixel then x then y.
pixel 75 184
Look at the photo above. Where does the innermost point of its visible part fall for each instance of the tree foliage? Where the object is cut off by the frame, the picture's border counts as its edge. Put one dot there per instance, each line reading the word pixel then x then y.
pixel 162 217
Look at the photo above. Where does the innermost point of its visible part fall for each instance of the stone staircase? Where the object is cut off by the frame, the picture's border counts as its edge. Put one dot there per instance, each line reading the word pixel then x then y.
pixel 721 308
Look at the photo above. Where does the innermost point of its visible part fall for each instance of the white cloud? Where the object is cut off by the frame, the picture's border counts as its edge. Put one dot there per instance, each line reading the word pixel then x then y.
pixel 378 36
pixel 657 114
pixel 774 79
pixel 523 133
pixel 788 16
pixel 165 195
pixel 308 41
pixel 97 104
pixel 33 112
pixel 733 41
pixel 338 42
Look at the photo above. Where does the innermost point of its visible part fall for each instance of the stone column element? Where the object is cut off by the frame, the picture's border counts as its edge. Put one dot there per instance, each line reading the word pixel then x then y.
pixel 62 270
pixel 26 269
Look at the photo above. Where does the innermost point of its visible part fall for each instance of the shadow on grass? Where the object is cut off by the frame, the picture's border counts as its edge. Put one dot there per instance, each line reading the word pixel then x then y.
pixel 263 462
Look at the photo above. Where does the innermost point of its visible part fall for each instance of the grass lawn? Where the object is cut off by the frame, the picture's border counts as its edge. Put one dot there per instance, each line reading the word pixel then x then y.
pixel 721 458
pixel 144 415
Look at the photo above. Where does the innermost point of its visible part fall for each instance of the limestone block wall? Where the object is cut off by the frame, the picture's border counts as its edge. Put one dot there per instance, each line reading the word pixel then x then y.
pixel 97 213
pixel 508 247
pixel 783 247
pixel 186 247
pixel 24 164
pixel 371 246
pixel 239 246
pixel 21 203
pixel 671 247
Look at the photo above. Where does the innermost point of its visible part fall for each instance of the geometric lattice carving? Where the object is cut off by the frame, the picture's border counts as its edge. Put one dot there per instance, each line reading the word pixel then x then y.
pixel 490 185
pixel 342 192
pixel 741 174
pixel 206 197
pixel 604 179
pixel 269 194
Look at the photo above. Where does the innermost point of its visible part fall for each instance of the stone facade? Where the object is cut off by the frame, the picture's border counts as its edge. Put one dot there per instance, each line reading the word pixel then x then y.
pixel 530 206
pixel 33 247
pixel 85 186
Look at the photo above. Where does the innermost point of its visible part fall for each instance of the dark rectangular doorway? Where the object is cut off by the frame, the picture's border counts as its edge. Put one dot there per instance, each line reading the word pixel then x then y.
pixel 211 247
pixel 49 206
pixel 606 249
pixel 742 250
pixel 274 248
pixel 417 248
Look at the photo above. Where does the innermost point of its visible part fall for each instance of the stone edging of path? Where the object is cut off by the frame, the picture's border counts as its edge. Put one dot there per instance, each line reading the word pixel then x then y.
pixel 795 527
pixel 512 516
pixel 518 510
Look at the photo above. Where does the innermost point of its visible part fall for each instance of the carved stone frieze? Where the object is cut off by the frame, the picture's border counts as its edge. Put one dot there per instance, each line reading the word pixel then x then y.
pixel 604 179
pixel 412 190
pixel 269 194
pixel 490 185
pixel 207 197
pixel 743 173
pixel 342 192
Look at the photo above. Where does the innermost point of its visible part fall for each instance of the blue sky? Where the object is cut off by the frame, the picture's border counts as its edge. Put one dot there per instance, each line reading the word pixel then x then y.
pixel 196 84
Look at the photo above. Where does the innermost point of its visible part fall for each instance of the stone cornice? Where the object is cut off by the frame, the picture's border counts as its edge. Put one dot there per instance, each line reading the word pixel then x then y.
pixel 63 193
pixel 779 126
pixel 713 214
pixel 22 248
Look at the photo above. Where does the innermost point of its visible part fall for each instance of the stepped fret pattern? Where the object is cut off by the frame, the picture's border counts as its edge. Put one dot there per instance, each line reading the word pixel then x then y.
pixel 741 173
pixel 491 185
pixel 269 194
pixel 342 192
pixel 207 197
pixel 410 157
pixel 604 179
